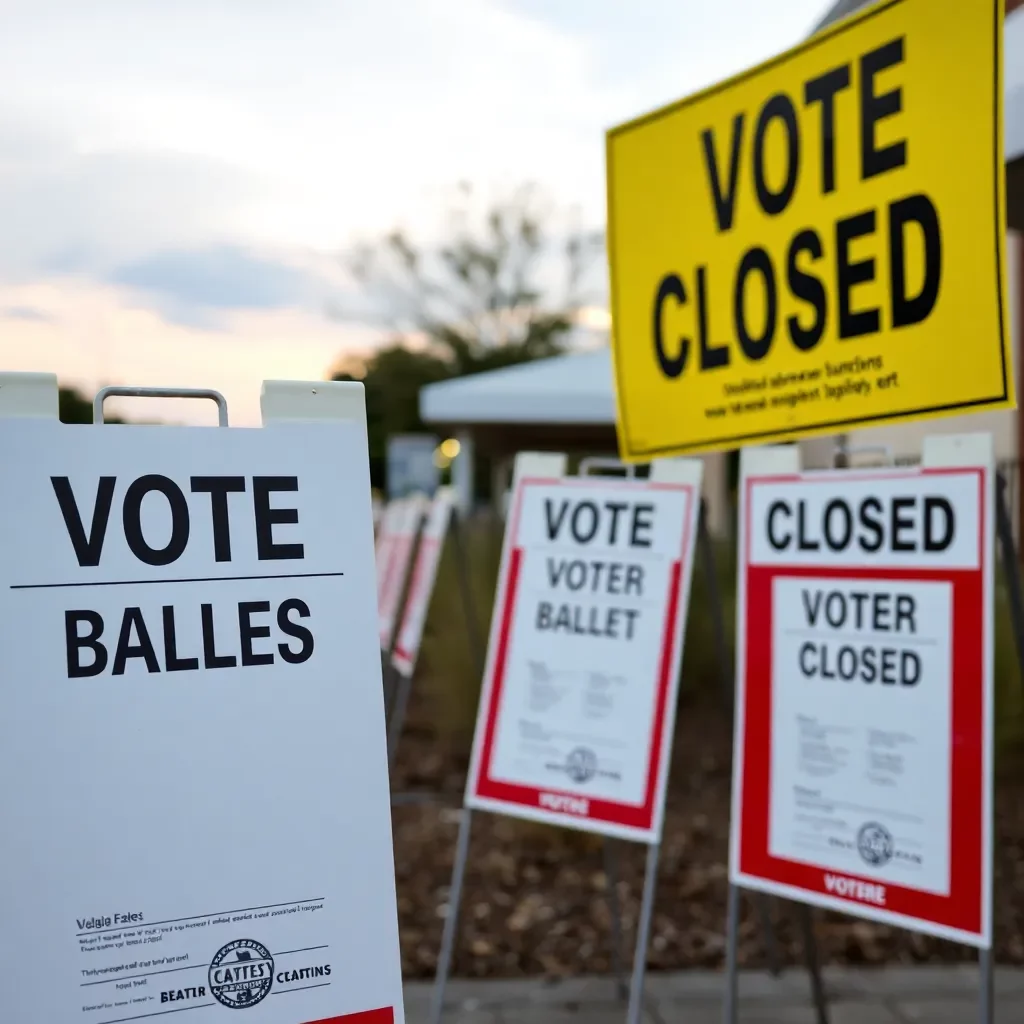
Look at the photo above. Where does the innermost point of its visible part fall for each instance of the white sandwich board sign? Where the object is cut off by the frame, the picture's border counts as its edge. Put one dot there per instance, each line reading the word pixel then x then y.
pixel 197 806
pixel 578 705
pixel 863 752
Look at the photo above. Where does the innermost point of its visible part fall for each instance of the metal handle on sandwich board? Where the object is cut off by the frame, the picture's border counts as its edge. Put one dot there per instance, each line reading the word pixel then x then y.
pixel 122 392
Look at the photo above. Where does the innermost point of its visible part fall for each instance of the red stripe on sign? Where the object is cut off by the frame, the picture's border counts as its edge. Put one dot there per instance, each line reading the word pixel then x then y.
pixel 385 1015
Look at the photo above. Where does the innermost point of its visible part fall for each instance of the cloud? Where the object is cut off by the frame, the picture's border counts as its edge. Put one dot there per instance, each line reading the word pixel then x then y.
pixel 28 314
pixel 69 212
pixel 191 286
pixel 97 336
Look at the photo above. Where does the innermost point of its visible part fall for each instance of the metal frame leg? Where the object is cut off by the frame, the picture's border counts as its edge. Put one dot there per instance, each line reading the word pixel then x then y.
pixel 399 708
pixel 643 934
pixel 730 1005
pixel 810 945
pixel 476 647
pixel 986 987
pixel 611 873
pixel 707 554
pixel 444 960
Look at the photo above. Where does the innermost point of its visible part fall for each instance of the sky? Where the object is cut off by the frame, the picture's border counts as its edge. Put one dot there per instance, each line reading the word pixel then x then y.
pixel 179 181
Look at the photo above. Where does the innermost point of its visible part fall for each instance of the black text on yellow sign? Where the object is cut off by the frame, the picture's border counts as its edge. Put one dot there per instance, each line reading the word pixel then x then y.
pixel 819 243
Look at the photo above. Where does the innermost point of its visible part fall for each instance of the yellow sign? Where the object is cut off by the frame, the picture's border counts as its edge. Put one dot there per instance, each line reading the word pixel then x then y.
pixel 819 243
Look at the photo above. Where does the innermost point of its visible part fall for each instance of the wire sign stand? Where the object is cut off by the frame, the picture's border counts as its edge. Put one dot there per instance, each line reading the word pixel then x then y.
pixel 863 757
pixel 578 703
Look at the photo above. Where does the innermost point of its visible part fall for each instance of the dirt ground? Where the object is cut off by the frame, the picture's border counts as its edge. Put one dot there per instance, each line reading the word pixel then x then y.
pixel 535 898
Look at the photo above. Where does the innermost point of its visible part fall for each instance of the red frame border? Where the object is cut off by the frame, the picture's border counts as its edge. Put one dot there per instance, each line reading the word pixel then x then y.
pixel 483 785
pixel 963 909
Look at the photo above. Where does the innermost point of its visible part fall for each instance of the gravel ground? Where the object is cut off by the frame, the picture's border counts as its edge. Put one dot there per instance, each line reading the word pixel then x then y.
pixel 535 898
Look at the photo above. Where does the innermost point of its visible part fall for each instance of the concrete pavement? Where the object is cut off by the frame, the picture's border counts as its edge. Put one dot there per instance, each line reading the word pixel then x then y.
pixel 896 995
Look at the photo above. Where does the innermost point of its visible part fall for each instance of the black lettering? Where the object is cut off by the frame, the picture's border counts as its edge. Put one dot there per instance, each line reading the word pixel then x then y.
pixel 888 667
pixel 812 608
pixel 917 209
pixel 556 570
pixel 218 487
pixel 248 632
pixel 126 649
pixel 910 668
pixel 823 90
pixel 906 610
pixel 807 287
pixel 711 356
pixel 807 665
pixel 779 107
pixel 755 259
pixel 267 518
pixel 846 524
pixel 131 516
pixel 725 203
pixel 615 507
pixel 934 540
pixel 91 641
pixel 846 662
pixel 210 656
pixel 901 524
pixel 779 544
pixel 554 525
pixel 866 321
pixel 544 610
pixel 641 521
pixel 872 524
pixel 671 366
pixel 874 108
pixel 835 609
pixel 171 660
pixel 584 534
pixel 294 630
pixel 634 580
pixel 869 664
pixel 87 549
pixel 804 543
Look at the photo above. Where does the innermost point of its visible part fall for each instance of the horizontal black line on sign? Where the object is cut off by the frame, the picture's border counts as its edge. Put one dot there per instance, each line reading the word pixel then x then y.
pixel 308 949
pixel 147 974
pixel 159 1013
pixel 305 988
pixel 188 579
pixel 199 917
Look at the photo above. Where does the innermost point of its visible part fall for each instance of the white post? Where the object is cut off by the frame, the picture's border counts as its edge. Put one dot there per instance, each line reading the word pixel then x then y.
pixel 462 473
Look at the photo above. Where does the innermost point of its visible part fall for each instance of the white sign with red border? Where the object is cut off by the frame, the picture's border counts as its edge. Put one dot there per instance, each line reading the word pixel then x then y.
pixel 575 720
pixel 384 542
pixel 400 540
pixel 862 777
pixel 421 582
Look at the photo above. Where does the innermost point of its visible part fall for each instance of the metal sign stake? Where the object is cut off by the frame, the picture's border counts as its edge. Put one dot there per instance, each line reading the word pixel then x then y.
pixel 708 564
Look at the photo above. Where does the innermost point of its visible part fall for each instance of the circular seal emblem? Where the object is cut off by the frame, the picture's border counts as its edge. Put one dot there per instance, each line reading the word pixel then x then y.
pixel 241 974
pixel 581 764
pixel 875 844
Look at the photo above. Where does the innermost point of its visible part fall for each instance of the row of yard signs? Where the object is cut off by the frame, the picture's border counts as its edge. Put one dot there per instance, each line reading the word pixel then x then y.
pixel 863 732
pixel 863 752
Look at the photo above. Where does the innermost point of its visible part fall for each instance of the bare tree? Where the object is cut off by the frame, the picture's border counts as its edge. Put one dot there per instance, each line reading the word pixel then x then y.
pixel 502 287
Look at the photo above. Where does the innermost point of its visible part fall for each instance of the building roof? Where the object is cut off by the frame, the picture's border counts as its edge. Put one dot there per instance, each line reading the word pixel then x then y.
pixel 569 389
pixel 1013 69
